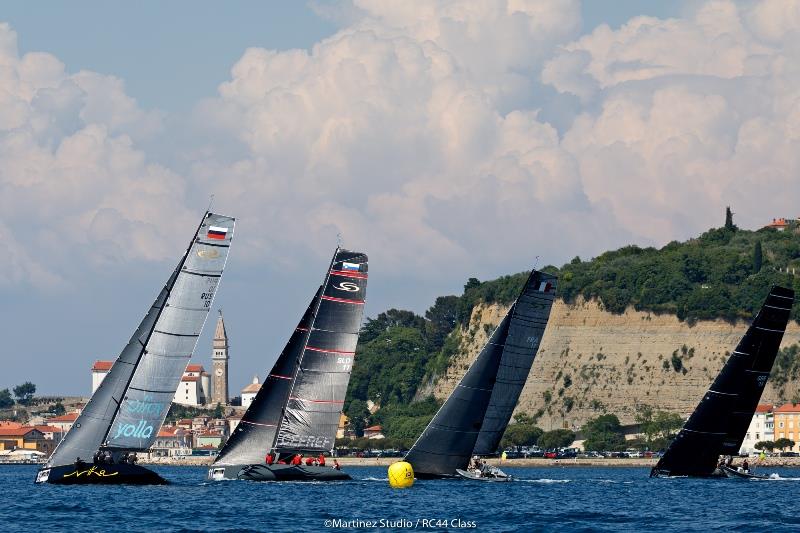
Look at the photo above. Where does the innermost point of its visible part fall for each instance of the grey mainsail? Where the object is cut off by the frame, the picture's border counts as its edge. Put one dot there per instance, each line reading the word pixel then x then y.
pixel 475 415
pixel 130 405
pixel 255 433
pixel 314 404
pixel 528 323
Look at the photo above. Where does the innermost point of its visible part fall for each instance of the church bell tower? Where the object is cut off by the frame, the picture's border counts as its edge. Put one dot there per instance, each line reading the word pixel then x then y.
pixel 219 359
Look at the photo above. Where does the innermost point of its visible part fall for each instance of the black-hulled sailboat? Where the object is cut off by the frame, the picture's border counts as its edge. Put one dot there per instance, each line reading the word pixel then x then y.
pixel 475 415
pixel 297 409
pixel 718 425
pixel 126 411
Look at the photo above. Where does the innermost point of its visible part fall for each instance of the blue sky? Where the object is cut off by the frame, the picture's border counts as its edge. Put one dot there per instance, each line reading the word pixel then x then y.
pixel 446 139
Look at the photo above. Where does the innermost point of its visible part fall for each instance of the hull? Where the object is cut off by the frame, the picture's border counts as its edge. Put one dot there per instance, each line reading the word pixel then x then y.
pixel 737 474
pixel 656 472
pixel 501 477
pixel 276 473
pixel 90 474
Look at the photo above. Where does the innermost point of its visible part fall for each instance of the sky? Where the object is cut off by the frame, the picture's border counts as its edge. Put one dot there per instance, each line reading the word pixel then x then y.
pixel 447 139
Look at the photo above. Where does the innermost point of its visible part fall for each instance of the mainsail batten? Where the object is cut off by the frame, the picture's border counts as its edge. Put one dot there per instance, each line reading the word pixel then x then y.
pixel 126 387
pixel 719 423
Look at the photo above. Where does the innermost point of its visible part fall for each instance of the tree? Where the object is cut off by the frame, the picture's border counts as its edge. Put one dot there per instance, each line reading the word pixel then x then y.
pixel 442 318
pixel 521 435
pixel 758 257
pixel 5 399
pixel 603 433
pixel 784 443
pixel 58 409
pixel 25 392
pixel 219 411
pixel 558 438
pixel 729 219
pixel 765 445
pixel 358 414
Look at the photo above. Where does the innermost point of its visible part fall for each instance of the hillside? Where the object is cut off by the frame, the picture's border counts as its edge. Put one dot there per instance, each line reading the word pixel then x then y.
pixel 631 326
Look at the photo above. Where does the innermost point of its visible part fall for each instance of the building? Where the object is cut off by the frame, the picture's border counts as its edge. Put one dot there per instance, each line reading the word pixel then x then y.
pixel 25 438
pixel 761 428
pixel 208 439
pixel 779 224
pixel 99 371
pixel 219 358
pixel 787 424
pixel 196 370
pixel 341 429
pixel 250 391
pixel 172 441
pixel 233 421
pixel 52 433
pixel 374 432
pixel 63 422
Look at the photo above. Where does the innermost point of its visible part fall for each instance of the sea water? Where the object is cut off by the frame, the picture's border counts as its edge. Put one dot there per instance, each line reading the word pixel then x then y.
pixel 561 499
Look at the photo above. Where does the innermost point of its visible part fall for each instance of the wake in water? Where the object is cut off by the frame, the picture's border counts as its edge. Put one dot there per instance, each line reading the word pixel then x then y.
pixel 543 480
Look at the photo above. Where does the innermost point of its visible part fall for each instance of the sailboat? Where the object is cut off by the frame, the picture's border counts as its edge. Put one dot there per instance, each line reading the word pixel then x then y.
pixel 127 409
pixel 297 409
pixel 718 425
pixel 474 417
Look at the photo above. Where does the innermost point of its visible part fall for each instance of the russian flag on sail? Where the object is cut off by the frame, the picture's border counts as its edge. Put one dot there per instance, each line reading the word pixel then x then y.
pixel 350 266
pixel 545 286
pixel 216 232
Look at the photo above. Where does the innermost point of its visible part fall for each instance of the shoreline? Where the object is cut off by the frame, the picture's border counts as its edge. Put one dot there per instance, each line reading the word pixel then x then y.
pixel 511 463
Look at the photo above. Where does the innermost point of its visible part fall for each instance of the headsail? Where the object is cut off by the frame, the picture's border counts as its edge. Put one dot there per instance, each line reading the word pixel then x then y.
pixel 474 417
pixel 528 323
pixel 130 405
pixel 256 432
pixel 311 415
pixel 719 423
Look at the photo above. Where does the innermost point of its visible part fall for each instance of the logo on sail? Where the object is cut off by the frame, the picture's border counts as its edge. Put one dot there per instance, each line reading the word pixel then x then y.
pixel 207 254
pixel 347 286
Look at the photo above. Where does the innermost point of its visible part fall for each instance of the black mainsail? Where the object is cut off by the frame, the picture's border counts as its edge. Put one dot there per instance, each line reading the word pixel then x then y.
pixel 128 408
pixel 297 409
pixel 719 423
pixel 475 415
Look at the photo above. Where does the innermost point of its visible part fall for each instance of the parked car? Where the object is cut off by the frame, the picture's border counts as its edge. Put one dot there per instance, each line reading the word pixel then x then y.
pixel 789 454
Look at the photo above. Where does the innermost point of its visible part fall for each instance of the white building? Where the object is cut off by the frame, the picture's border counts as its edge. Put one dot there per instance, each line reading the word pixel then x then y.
pixel 99 371
pixel 194 388
pixel 762 427
pixel 172 442
pixel 250 391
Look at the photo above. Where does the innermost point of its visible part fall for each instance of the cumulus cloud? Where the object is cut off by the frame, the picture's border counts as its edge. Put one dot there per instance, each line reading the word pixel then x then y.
pixel 72 182
pixel 687 114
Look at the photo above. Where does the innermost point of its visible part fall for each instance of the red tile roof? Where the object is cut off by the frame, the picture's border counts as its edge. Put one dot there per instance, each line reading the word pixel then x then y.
pixel 102 366
pixel 16 432
pixel 764 408
pixel 374 428
pixel 194 368
pixel 48 429
pixel 189 378
pixel 788 408
pixel 9 424
pixel 69 417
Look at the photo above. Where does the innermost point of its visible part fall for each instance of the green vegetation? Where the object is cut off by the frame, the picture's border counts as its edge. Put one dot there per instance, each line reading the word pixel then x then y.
pixel 558 438
pixel 767 445
pixel 658 427
pixel 25 392
pixel 784 443
pixel 178 412
pixel 603 433
pixel 5 399
pixel 523 432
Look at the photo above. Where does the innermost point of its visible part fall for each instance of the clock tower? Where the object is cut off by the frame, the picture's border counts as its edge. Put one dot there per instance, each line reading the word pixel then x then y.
pixel 219 360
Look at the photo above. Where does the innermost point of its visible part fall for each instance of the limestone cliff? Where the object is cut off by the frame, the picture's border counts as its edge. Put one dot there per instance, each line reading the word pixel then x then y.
pixel 592 361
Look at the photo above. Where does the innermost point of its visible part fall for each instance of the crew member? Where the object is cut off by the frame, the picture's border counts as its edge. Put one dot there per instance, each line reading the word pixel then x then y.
pixel 270 458
pixel 321 459
pixel 297 459
pixel 745 466
pixel 309 461
pixel 336 465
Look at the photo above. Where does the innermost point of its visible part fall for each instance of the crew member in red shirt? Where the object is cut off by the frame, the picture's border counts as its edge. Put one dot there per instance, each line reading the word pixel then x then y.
pixel 309 461
pixel 297 459
pixel 270 458
pixel 321 459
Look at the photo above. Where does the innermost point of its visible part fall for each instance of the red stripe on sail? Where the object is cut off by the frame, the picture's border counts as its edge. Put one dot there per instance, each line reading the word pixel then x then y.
pixel 314 401
pixel 215 235
pixel 301 329
pixel 279 376
pixel 259 424
pixel 313 349
pixel 349 274
pixel 342 300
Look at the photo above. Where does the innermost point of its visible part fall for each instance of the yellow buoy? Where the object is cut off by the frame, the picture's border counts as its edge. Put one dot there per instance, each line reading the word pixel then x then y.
pixel 401 475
